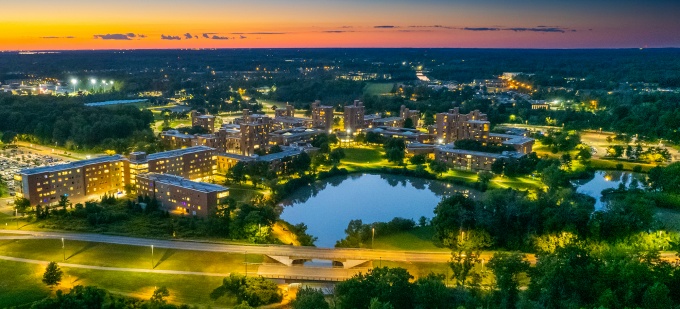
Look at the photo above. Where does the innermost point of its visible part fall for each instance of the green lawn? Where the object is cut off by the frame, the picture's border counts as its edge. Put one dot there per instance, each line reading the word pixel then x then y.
pixel 24 279
pixel 20 284
pixel 112 255
pixel 378 88
pixel 363 155
pixel 419 238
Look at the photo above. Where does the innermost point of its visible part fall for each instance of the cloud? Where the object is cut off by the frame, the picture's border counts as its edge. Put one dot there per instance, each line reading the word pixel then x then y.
pixel 170 37
pixel 57 37
pixel 119 36
pixel 263 33
pixel 385 27
pixel 243 37
pixel 552 29
pixel 217 37
pixel 190 36
pixel 432 26
pixel 537 29
pixel 336 31
pixel 208 34
pixel 481 29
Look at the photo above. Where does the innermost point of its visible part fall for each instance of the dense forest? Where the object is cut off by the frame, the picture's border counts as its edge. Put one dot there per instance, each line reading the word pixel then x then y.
pixel 67 122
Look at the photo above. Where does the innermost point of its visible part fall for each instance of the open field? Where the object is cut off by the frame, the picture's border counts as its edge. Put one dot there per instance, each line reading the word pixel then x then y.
pixel 378 88
pixel 419 239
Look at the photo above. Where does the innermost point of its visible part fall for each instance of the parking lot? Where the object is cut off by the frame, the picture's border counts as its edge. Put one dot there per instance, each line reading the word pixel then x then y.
pixel 12 160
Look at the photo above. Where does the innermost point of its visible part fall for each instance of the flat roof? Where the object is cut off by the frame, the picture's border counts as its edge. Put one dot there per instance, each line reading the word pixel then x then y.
pixel 70 165
pixel 513 139
pixel 389 119
pixel 177 152
pixel 184 183
pixel 478 121
pixel 236 156
pixel 176 134
pixel 279 155
pixel 116 102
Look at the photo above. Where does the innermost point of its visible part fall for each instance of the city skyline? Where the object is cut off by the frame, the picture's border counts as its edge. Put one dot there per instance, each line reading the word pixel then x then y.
pixel 126 24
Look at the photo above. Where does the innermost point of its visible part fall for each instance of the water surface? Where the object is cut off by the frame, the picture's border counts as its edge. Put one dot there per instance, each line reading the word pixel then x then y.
pixel 328 206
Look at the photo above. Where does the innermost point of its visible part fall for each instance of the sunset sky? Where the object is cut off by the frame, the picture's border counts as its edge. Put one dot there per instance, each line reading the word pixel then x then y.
pixel 136 24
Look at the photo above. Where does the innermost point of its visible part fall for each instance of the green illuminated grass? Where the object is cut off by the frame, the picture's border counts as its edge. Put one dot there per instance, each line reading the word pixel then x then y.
pixel 378 88
pixel 419 239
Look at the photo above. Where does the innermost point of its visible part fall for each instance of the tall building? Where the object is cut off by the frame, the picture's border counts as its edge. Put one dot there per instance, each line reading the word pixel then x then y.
pixel 453 126
pixel 406 113
pixel 254 130
pixel 79 181
pixel 322 116
pixel 173 139
pixel 179 195
pixel 206 122
pixel 286 111
pixel 354 116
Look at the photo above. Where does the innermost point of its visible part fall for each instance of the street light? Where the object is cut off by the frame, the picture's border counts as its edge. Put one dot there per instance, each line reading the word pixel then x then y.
pixel 372 237
pixel 93 82
pixel 63 248
pixel 152 267
pixel 74 82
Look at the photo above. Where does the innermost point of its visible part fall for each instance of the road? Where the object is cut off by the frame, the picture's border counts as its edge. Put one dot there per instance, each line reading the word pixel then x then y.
pixel 56 152
pixel 275 250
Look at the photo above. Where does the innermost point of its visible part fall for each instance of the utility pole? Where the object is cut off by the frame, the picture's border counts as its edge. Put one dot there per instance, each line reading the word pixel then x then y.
pixel 152 266
pixel 63 248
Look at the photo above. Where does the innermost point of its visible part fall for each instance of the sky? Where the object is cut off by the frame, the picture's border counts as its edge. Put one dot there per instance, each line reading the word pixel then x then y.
pixel 173 24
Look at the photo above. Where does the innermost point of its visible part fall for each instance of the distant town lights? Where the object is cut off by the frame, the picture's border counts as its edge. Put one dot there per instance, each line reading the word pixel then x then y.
pixel 93 81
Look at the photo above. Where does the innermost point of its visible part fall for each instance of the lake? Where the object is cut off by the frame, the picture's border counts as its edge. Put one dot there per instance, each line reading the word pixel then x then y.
pixel 607 180
pixel 329 205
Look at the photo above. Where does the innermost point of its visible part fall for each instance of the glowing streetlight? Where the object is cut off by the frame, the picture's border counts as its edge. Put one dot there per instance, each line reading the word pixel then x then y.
pixel 74 82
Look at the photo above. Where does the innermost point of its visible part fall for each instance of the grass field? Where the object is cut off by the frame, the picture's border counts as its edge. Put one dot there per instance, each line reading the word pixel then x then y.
pixel 24 279
pixel 20 284
pixel 378 88
pixel 419 238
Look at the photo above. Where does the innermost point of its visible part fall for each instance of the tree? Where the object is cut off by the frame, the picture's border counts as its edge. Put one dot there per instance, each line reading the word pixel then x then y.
pixel 275 149
pixel 336 155
pixel 438 167
pixel 52 275
pixel 22 205
pixel 387 285
pixel 8 137
pixel 483 178
pixel 408 123
pixel 237 173
pixel 507 267
pixel 301 163
pixel 159 294
pixel 394 150
pixel 418 159
pixel 453 215
pixel 376 304
pixel 63 202
pixel 309 298
pixel 429 292
pixel 78 297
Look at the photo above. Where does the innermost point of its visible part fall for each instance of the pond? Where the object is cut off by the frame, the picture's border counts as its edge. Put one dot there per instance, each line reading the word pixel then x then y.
pixel 329 205
pixel 607 180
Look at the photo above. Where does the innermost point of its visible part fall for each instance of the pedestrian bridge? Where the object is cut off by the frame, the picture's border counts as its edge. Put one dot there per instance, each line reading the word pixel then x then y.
pixel 300 260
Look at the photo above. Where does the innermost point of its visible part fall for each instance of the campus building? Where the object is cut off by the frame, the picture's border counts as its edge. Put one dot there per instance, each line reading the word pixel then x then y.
pixel 206 122
pixel 470 160
pixel 453 126
pixel 354 116
pixel 193 163
pixel 79 181
pixel 179 195
pixel 322 116
pixel 406 113
pixel 173 139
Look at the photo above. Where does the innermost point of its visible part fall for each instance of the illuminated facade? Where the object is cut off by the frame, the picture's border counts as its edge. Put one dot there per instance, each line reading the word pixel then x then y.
pixel 179 195
pixel 322 116
pixel 80 181
pixel 454 126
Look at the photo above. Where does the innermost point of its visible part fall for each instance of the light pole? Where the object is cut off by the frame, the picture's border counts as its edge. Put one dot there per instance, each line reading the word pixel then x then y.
pixel 372 237
pixel 152 267
pixel 63 248
pixel 93 82
pixel 74 82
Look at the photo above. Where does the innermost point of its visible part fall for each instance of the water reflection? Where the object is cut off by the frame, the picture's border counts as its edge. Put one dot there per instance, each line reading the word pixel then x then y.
pixel 609 180
pixel 328 206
